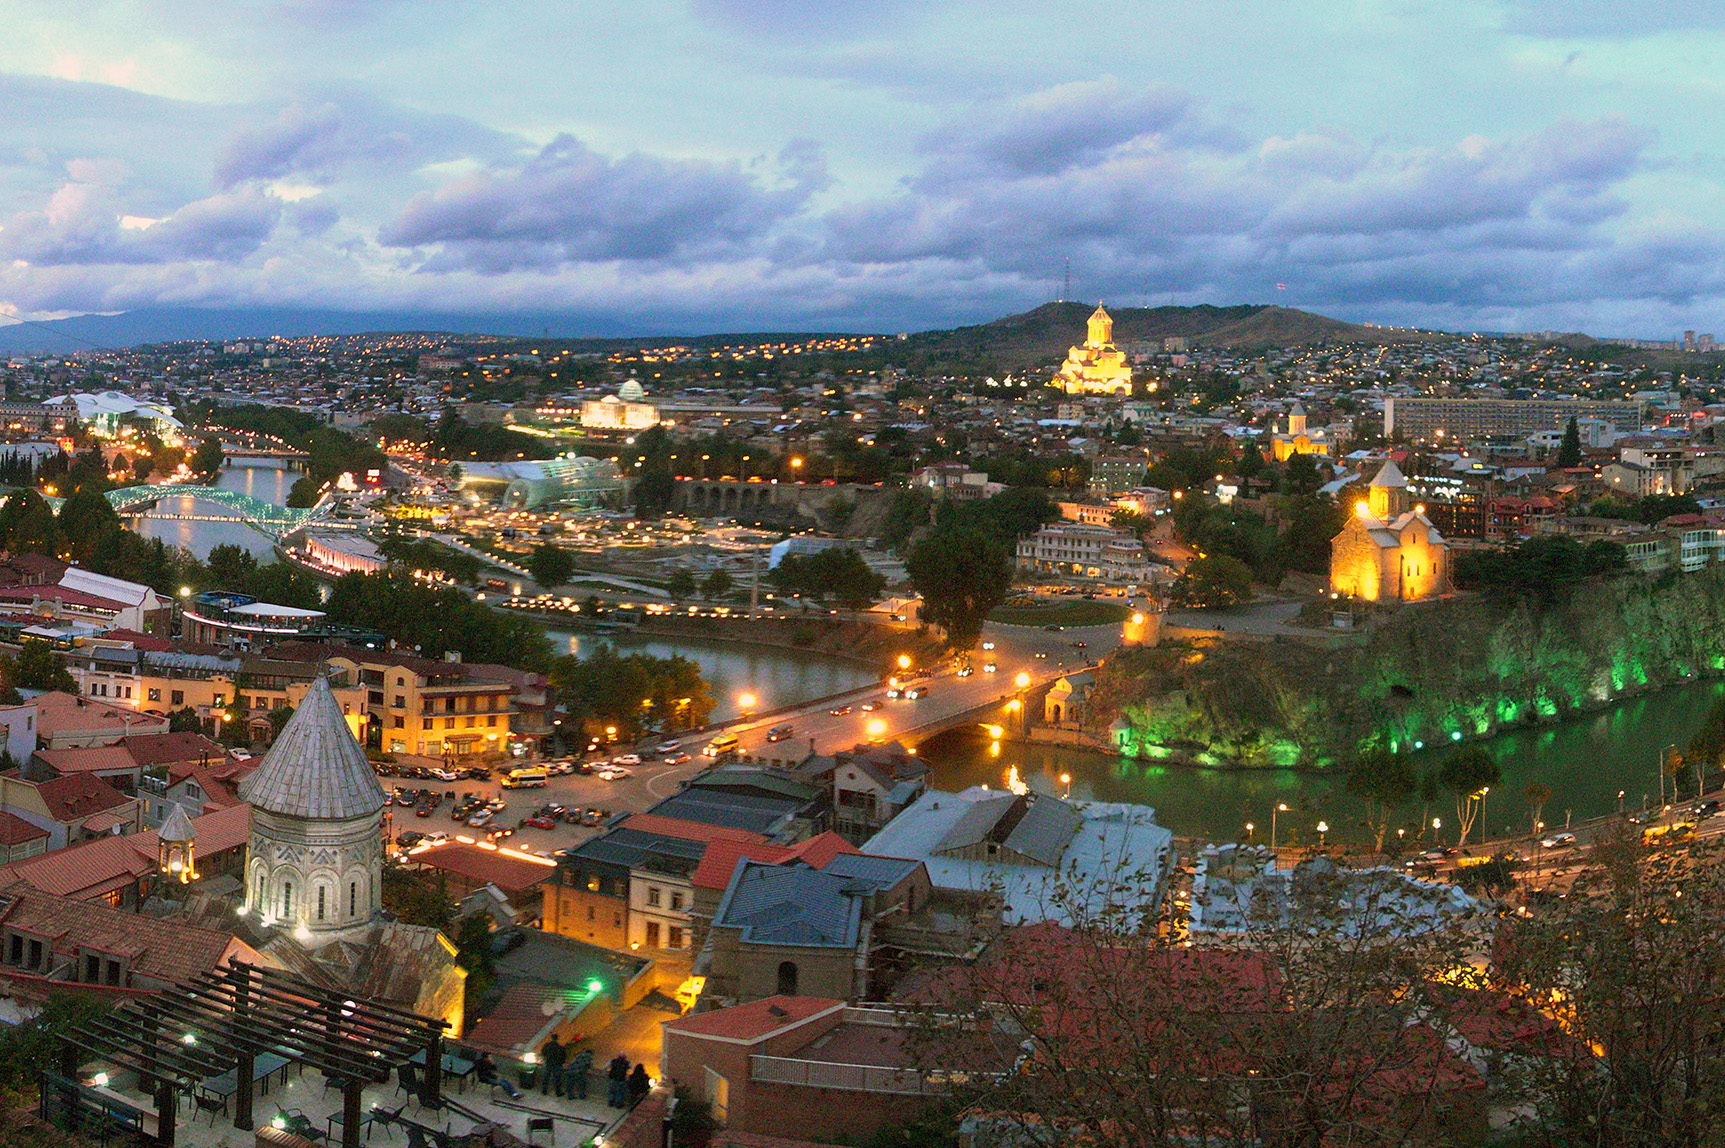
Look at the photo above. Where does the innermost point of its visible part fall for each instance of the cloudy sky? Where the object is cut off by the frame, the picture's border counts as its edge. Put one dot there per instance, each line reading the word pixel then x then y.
pixel 685 165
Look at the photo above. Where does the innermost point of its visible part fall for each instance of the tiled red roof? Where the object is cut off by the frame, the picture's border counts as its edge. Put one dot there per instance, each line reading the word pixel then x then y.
pixel 818 851
pixel 485 866
pixel 687 830
pixel 139 641
pixel 79 795
pixel 60 594
pixel 753 1020
pixel 178 746
pixel 514 1025
pixel 14 830
pixel 720 861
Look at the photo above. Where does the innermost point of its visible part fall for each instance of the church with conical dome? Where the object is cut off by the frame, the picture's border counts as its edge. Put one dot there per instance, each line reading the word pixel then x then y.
pixel 1387 551
pixel 1096 368
pixel 315 861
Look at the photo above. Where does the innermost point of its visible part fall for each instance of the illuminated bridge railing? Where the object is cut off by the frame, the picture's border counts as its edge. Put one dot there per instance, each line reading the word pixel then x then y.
pixel 273 520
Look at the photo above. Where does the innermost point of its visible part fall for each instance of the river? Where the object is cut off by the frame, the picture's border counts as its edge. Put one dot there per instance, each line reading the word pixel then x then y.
pixel 776 677
pixel 270 483
pixel 1585 762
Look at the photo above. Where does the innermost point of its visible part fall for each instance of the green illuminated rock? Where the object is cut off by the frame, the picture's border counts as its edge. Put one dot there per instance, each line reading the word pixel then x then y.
pixel 1423 676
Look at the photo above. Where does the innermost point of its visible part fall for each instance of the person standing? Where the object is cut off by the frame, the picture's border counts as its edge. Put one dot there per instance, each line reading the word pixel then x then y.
pixel 552 1056
pixel 576 1077
pixel 639 1085
pixel 619 1075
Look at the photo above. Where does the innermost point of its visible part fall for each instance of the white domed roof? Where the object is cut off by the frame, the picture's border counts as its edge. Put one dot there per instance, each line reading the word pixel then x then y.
pixel 315 769
pixel 631 392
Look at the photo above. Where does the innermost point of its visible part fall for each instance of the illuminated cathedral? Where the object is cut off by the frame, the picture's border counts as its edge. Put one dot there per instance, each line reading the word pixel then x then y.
pixel 1387 552
pixel 1096 368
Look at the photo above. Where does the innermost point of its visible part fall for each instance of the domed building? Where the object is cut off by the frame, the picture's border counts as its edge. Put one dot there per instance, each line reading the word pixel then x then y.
pixel 1096 368
pixel 315 861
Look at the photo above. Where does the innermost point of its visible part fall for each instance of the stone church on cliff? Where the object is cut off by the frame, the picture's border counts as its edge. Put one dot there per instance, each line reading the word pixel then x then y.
pixel 1388 551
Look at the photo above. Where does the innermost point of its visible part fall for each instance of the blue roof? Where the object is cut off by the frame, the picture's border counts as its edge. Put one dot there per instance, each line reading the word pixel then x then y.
pixel 791 905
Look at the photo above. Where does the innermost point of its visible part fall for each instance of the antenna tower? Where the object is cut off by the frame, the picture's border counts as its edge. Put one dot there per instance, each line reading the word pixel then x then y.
pixel 1066 283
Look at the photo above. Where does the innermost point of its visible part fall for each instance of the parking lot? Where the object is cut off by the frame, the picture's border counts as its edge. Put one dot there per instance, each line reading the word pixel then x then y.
pixel 428 803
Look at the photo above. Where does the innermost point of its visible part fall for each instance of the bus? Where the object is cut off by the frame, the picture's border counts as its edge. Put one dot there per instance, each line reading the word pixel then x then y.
pixel 529 777
pixel 720 746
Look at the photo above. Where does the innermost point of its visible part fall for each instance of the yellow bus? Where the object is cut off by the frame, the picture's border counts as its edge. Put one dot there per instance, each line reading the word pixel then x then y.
pixel 529 777
pixel 721 745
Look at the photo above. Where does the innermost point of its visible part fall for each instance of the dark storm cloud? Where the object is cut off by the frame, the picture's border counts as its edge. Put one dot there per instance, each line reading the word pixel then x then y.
pixel 569 204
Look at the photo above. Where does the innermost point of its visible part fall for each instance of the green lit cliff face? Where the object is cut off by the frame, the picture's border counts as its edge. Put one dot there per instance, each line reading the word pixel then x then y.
pixel 1426 675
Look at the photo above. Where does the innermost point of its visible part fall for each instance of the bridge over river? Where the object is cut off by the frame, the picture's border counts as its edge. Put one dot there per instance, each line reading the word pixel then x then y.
pixel 275 521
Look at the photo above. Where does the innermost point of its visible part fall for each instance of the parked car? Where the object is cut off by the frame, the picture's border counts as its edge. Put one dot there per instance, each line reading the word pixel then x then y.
pixel 541 821
pixel 423 809
pixel 497 805
pixel 626 759
pixel 499 832
pixel 665 747
pixel 409 839
pixel 1558 841
pixel 480 819
pixel 613 773
pixel 436 837
pixel 478 773
pixel 592 816
pixel 446 775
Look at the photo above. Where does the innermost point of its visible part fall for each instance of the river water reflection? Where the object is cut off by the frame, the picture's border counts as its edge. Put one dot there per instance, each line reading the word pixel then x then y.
pixel 1585 762
pixel 777 677
pixel 270 483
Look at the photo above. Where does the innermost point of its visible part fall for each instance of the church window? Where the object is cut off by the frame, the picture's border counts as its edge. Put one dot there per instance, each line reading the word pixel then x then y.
pixel 287 899
pixel 352 897
pixel 321 890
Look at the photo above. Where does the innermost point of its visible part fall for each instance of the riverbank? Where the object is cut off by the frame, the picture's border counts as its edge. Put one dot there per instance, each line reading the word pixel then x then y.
pixel 1431 674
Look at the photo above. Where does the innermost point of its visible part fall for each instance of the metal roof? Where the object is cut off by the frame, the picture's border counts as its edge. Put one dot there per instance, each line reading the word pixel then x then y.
pixel 1045 830
pixel 315 769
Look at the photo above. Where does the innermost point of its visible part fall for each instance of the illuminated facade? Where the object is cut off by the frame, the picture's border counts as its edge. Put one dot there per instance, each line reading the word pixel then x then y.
pixel 1096 368
pixel 1388 552
pixel 1297 439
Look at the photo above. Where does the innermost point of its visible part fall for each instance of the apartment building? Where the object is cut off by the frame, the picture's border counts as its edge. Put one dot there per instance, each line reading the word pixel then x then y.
pixel 425 706
pixel 1084 551
pixel 1458 420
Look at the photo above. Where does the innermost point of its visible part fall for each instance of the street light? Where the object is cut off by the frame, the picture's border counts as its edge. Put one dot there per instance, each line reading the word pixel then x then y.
pixel 1437 824
pixel 877 728
pixel 1279 807
pixel 904 661
pixel 746 701
pixel 1249 828
pixel 1022 680
pixel 1323 828
pixel 1066 780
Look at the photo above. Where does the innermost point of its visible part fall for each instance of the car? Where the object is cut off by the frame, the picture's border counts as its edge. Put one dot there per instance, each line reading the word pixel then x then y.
pixel 409 839
pixel 964 671
pixel 1055 629
pixel 572 816
pixel 988 645
pixel 1708 808
pixel 1080 645
pixel 839 711
pixel 870 707
pixel 1558 841
pixel 780 733
pixel 437 837
pixel 990 668
pixel 613 773
pixel 918 691
pixel 423 809
pixel 480 820
pixel 507 940
pixel 497 805
pixel 626 759
pixel 551 810
pixel 593 816
pixel 1042 655
pixel 678 758
pixel 541 821
pixel 446 775
pixel 498 833
pixel 478 773
pixel 666 747
pixel 1433 855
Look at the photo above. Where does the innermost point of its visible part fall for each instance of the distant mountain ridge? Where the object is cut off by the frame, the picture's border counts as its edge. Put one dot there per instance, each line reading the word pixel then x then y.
pixel 1038 334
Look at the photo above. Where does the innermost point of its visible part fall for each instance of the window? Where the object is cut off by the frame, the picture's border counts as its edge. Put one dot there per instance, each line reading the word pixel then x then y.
pixel 352 898
pixel 15 952
pixel 155 693
pixel 218 700
pixel 591 914
pixel 321 890
pixel 593 883
pixel 448 723
pixel 787 978
pixel 470 722
pixel 492 720
pixel 400 722
pixel 676 937
pixel 429 723
pixel 287 899
pixel 448 705
pixel 92 969
pixel 400 681
pixel 653 895
pixel 617 919
pixel 400 702
pixel 676 902
pixel 652 934
pixel 35 954
pixel 177 697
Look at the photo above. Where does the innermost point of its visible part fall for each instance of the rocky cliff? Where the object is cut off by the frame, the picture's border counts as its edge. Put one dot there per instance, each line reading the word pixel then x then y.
pixel 1427 674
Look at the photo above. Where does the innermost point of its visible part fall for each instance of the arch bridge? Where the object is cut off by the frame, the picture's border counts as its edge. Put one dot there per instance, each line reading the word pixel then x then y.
pixel 275 521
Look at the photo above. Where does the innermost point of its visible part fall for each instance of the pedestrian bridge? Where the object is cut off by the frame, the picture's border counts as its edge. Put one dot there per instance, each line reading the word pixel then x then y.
pixel 275 521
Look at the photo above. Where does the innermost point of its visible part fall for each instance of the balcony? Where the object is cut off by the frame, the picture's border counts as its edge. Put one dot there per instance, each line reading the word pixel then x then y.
pixel 858 1056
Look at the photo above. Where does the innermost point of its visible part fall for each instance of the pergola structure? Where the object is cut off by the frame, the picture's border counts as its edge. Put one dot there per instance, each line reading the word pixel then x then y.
pixel 223 1021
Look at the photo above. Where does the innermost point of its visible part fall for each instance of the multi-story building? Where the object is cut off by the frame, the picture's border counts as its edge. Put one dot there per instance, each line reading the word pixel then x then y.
pixel 1084 551
pixel 1116 473
pixel 223 619
pixel 1464 420
pixel 426 706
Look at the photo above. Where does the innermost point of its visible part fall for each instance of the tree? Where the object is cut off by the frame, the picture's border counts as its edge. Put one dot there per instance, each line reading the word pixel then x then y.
pixel 1569 452
pixel 38 667
pixel 1385 781
pixel 207 459
pixel 84 517
pixel 1214 582
pixel 473 952
pixel 839 573
pixel 1537 795
pixel 550 565
pixel 305 492
pixel 717 585
pixel 681 583
pixel 28 525
pixel 1707 748
pixel 961 574
pixel 1466 776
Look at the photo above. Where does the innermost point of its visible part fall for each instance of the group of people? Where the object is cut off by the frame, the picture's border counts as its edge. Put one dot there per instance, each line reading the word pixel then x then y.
pixel 566 1075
